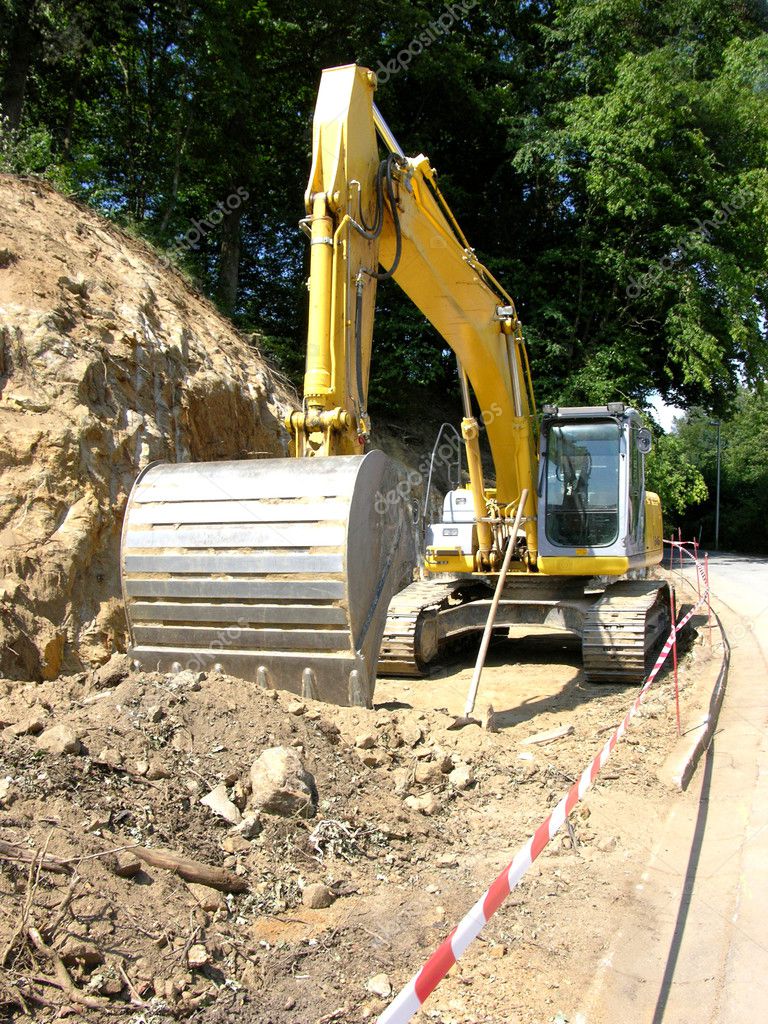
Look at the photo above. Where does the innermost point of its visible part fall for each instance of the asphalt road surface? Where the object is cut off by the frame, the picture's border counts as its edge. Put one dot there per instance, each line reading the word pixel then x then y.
pixel 695 947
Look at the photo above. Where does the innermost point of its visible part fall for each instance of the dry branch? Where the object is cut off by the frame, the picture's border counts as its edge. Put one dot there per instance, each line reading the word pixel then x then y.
pixel 9 851
pixel 191 870
pixel 62 975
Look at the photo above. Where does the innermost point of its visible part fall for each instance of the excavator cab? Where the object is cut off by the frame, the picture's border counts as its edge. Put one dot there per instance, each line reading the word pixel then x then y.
pixel 593 503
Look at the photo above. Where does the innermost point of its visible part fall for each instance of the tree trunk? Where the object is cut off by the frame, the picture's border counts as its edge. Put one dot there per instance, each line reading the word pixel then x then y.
pixel 229 261
pixel 23 42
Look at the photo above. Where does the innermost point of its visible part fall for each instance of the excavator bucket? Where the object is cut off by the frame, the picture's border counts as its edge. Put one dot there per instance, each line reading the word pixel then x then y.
pixel 277 571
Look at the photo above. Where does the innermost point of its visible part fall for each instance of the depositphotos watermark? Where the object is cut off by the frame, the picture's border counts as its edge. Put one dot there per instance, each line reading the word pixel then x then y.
pixel 426 35
pixel 704 230
pixel 200 228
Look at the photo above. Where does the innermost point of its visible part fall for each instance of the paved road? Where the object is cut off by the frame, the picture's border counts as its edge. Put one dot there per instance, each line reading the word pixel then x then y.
pixel 696 946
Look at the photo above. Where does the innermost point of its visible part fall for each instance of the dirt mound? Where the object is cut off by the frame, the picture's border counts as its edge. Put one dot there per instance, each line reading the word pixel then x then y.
pixel 409 822
pixel 108 362
pixel 88 771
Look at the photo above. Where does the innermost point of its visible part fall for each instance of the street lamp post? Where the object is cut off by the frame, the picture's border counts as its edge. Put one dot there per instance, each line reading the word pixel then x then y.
pixel 716 423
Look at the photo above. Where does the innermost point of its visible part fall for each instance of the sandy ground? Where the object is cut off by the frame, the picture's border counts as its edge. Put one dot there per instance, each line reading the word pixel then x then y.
pixel 412 822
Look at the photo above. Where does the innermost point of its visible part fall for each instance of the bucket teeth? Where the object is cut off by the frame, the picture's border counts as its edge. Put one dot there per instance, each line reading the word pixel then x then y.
pixel 357 692
pixel 309 684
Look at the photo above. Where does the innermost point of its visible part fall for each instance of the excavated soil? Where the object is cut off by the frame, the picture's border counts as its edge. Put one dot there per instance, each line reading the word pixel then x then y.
pixel 108 361
pixel 151 746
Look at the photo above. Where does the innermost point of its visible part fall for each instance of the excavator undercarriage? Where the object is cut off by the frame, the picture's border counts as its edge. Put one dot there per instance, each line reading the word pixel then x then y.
pixel 620 624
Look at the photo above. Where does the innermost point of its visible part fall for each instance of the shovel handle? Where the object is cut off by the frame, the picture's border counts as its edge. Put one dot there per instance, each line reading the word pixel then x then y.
pixel 485 642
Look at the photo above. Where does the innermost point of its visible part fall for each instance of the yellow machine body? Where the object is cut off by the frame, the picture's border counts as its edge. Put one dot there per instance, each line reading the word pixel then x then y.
pixel 281 571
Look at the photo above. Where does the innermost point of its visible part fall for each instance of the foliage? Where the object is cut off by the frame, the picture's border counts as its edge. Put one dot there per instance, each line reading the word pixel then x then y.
pixel 672 475
pixel 743 472
pixel 607 157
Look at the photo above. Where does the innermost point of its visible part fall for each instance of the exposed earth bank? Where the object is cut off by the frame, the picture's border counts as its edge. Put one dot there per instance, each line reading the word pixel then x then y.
pixel 108 361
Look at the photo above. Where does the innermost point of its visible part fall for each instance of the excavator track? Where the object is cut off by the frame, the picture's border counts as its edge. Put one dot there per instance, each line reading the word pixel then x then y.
pixel 410 638
pixel 622 630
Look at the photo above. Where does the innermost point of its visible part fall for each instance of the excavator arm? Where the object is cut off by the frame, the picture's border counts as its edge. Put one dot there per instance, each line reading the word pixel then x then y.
pixel 365 213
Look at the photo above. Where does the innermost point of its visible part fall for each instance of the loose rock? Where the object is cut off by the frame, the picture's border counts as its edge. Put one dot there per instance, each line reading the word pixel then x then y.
pixel 428 773
pixel 209 899
pixel 60 739
pixel 281 784
pixel 111 673
pixel 365 741
pixel 220 804
pixel 316 896
pixel 197 956
pixel 7 795
pixel 379 985
pixel 461 777
pixel 426 803
pixel 126 865
pixel 187 680
pixel 409 732
pixel 31 724
pixel 250 827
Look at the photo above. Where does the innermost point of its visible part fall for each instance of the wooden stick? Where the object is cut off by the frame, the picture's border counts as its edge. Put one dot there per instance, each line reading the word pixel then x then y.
pixel 62 975
pixel 192 870
pixel 8 851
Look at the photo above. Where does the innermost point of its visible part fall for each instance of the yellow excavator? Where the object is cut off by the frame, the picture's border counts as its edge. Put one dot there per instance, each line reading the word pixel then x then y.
pixel 301 573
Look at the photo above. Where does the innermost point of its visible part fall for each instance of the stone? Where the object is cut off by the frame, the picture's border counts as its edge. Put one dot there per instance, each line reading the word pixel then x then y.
pixel 187 680
pixel 296 707
pixel 31 724
pixel 111 673
pixel 410 733
pixel 428 773
pixel 219 802
pixel 373 758
pixel 426 803
pixel 280 784
pixel 155 713
pixel 607 844
pixel 250 827
pixel 197 955
pixel 317 896
pixel 401 778
pixel 447 860
pixel 111 757
pixel 7 794
pixel 235 844
pixel 77 951
pixel 461 777
pixel 366 741
pixel 379 985
pixel 126 865
pixel 157 770
pixel 59 739
pixel 209 899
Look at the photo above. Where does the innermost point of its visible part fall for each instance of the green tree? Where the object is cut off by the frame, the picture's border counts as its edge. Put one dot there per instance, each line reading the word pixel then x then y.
pixel 672 475
pixel 743 471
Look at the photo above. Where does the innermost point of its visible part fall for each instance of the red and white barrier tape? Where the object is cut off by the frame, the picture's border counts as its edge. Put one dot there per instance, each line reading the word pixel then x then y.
pixel 420 987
